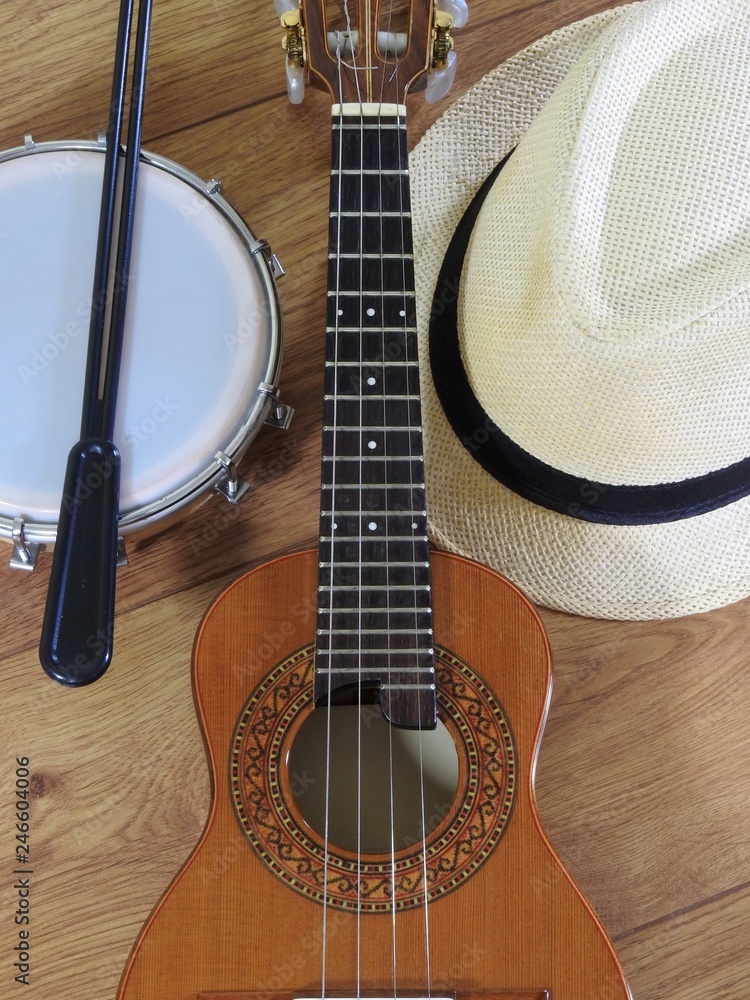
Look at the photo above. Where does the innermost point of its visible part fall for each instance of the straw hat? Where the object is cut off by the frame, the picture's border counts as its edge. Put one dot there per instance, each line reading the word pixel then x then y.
pixel 586 376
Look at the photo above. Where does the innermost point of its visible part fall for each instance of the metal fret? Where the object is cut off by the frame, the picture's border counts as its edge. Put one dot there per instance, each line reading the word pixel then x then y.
pixel 424 686
pixel 369 215
pixel 369 291
pixel 340 487
pixel 370 329
pixel 379 564
pixel 376 513
pixel 375 652
pixel 368 172
pixel 367 126
pixel 375 586
pixel 367 538
pixel 364 363
pixel 345 428
pixel 371 396
pixel 370 256
pixel 372 458
pixel 372 631
pixel 352 486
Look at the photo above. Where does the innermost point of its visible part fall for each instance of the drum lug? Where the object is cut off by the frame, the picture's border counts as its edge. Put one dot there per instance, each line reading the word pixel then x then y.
pixel 24 552
pixel 275 264
pixel 28 141
pixel 280 415
pixel 261 246
pixel 212 187
pixel 231 485
pixel 122 555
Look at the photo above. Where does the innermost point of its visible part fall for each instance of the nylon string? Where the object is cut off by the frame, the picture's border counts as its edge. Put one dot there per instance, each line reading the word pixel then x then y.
pixel 361 512
pixel 386 518
pixel 333 505
pixel 403 166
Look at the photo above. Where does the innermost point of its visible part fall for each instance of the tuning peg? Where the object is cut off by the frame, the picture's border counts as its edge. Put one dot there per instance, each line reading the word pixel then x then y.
pixel 443 61
pixel 295 83
pixel 458 9
pixel 440 81
pixel 294 45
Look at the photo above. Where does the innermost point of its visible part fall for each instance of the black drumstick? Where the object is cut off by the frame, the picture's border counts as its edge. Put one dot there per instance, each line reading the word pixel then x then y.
pixel 76 642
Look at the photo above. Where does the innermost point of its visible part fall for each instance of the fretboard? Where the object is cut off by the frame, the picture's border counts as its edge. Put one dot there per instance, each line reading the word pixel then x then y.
pixel 374 607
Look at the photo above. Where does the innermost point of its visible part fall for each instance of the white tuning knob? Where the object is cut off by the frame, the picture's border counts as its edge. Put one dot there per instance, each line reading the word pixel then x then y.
pixel 294 46
pixel 295 83
pixel 458 9
pixel 440 81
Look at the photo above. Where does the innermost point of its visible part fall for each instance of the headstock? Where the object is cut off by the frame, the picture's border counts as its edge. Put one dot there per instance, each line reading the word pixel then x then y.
pixel 369 51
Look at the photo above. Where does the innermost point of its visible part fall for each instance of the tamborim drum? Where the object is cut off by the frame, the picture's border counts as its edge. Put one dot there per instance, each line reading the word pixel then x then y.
pixel 202 348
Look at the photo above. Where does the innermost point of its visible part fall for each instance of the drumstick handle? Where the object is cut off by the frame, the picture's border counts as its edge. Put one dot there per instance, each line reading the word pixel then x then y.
pixel 78 625
pixel 76 642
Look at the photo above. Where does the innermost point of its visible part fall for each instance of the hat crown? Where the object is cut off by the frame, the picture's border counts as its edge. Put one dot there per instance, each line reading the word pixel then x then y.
pixel 653 155
pixel 604 300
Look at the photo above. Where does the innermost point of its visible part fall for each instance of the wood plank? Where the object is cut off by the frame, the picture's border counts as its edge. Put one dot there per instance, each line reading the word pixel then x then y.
pixel 693 954
pixel 645 708
pixel 643 777
pixel 119 795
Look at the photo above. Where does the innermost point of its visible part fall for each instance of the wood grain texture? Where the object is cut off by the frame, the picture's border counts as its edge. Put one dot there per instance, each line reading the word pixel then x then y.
pixel 643 778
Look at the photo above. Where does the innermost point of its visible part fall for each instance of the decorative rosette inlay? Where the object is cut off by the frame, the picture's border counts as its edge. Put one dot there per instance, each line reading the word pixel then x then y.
pixel 454 851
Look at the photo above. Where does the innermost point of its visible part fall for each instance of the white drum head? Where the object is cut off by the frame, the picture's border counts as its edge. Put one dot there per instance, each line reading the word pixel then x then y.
pixel 202 332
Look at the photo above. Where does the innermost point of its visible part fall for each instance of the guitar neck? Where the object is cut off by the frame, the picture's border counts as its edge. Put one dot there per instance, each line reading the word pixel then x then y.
pixel 374 617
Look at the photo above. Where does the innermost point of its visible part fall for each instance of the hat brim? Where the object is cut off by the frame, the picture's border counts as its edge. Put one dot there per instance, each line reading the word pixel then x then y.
pixel 642 571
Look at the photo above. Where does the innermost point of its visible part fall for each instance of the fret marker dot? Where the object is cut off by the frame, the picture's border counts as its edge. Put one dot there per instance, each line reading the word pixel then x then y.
pixel 415 525
pixel 402 312
pixel 340 312
pixel 371 444
pixel 371 381
pixel 370 311
pixel 372 526
pixel 334 525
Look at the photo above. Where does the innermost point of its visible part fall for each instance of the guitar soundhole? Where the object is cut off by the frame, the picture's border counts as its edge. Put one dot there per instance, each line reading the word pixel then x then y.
pixel 264 794
pixel 384 790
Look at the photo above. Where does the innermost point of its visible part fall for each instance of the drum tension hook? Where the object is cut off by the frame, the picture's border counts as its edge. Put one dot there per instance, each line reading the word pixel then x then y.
pixel 273 262
pixel 24 552
pixel 280 415
pixel 231 485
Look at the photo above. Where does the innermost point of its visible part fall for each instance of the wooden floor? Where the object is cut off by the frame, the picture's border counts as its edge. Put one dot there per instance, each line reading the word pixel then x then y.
pixel 644 774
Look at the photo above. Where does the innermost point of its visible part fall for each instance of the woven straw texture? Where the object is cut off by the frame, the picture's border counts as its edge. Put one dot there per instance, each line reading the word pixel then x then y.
pixel 603 310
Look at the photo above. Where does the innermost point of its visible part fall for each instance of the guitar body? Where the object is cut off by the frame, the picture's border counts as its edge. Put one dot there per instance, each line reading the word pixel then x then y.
pixel 245 915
